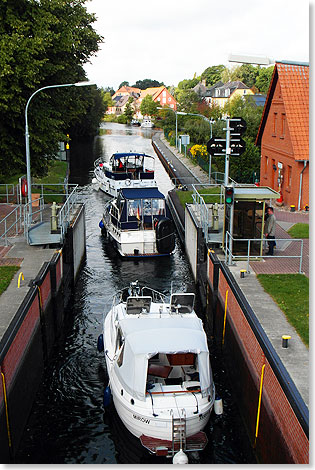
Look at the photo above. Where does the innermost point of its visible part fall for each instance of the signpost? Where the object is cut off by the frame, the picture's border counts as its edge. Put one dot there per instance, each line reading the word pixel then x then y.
pixel 233 144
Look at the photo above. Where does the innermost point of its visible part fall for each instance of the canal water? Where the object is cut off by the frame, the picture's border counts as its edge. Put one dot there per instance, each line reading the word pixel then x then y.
pixel 68 424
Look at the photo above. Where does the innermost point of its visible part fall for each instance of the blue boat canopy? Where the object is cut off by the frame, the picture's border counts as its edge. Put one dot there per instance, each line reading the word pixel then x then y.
pixel 141 193
pixel 117 156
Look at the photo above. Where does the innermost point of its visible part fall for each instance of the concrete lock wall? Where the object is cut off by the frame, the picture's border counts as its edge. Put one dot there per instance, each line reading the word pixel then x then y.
pixel 283 420
pixel 79 236
pixel 26 345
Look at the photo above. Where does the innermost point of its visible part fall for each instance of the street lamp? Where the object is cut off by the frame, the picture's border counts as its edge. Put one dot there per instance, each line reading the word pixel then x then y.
pixel 248 59
pixel 27 137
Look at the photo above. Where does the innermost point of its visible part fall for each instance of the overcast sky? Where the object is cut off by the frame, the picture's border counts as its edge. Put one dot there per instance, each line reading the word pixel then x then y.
pixel 170 40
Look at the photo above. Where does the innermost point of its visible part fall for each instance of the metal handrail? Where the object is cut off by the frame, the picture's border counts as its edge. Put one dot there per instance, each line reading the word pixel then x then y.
pixel 229 239
pixel 203 209
pixel 64 215
pixel 7 193
pixel 5 221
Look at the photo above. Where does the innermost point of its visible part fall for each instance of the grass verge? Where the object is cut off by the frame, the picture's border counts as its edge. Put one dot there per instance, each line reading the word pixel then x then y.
pixel 299 231
pixel 185 197
pixel 291 293
pixel 6 276
pixel 56 174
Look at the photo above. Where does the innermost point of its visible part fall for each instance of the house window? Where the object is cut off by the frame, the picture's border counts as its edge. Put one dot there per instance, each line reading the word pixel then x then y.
pixel 282 126
pixel 289 175
pixel 266 166
pixel 164 93
pixel 274 126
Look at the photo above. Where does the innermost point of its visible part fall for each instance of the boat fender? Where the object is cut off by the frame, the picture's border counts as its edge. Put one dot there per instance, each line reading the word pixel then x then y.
pixel 101 224
pixel 165 236
pixel 128 182
pixel 100 343
pixel 218 406
pixel 107 397
pixel 180 458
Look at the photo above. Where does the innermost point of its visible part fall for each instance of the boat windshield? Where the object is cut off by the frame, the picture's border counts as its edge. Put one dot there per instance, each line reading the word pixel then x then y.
pixel 145 207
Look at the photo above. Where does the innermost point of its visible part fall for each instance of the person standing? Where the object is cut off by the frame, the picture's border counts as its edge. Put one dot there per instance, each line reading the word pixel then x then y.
pixel 270 230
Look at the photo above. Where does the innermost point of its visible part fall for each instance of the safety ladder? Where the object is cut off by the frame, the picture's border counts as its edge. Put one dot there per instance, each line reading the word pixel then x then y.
pixel 178 432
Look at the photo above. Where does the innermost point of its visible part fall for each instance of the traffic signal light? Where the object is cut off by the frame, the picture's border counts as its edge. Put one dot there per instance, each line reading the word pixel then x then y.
pixel 229 195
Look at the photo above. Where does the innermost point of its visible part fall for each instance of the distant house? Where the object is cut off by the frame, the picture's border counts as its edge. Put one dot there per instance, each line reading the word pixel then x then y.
pixel 160 95
pixel 127 91
pixel 284 134
pixel 222 94
pixel 119 105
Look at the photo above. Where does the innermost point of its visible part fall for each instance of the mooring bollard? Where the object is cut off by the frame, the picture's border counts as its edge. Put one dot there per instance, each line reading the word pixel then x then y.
pixel 242 273
pixel 285 339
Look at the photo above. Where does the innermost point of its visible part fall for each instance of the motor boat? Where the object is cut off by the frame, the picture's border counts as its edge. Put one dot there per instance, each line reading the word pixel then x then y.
pixel 160 377
pixel 147 123
pixel 124 170
pixel 138 223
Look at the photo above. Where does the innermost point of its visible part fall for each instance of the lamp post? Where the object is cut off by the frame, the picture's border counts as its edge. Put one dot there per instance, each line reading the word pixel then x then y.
pixel 27 137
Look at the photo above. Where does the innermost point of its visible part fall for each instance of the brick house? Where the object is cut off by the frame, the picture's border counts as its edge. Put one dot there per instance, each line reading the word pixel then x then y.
pixel 160 95
pixel 283 134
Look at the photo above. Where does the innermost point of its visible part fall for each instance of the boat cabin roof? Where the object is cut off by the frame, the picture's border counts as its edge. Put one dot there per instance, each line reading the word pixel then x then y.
pixel 117 156
pixel 145 337
pixel 141 193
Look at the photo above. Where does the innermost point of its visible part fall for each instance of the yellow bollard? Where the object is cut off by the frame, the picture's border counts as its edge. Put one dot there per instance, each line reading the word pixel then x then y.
pixel 259 402
pixel 225 310
pixel 21 275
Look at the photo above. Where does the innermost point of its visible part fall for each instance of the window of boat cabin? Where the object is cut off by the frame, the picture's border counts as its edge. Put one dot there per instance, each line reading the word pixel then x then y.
pixel 134 208
pixel 158 207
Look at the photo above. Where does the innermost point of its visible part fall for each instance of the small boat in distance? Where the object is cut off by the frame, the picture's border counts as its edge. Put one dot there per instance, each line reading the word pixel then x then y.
pixel 138 223
pixel 160 377
pixel 147 123
pixel 124 170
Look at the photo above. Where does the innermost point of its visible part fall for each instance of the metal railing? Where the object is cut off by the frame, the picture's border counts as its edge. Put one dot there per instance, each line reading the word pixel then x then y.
pixel 203 209
pixel 11 222
pixel 66 211
pixel 230 257
pixel 29 212
pixel 7 190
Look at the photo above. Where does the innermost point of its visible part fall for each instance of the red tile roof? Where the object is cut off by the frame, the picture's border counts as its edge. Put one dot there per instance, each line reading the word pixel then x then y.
pixel 294 83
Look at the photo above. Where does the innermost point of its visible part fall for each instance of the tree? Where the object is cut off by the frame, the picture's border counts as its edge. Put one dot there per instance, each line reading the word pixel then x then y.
pixel 148 106
pixel 187 101
pixel 212 74
pixel 248 74
pixel 123 84
pixel 188 84
pixel 129 110
pixel 264 78
pixel 147 83
pixel 42 43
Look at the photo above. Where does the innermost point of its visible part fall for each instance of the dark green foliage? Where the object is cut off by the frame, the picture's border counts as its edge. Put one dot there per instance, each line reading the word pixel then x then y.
pixel 212 74
pixel 264 78
pixel 147 83
pixel 44 43
pixel 197 129
pixel 129 111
